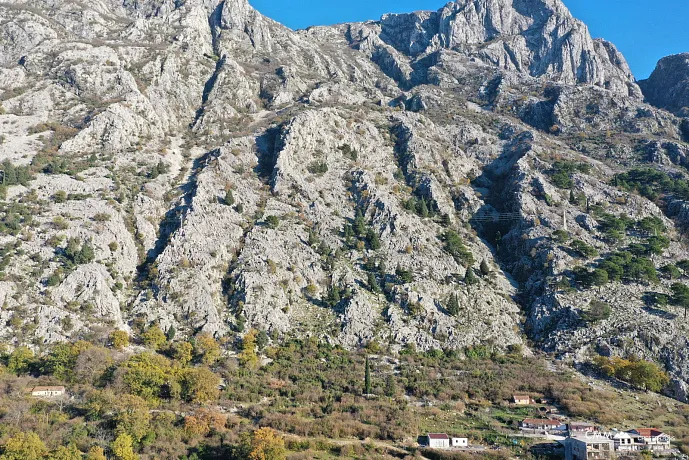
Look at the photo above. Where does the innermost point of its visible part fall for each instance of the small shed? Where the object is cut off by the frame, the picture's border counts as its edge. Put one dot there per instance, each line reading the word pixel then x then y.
pixel 438 440
pixel 521 400
pixel 460 442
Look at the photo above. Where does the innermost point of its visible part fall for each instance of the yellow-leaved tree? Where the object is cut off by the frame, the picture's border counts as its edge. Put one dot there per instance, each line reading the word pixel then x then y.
pixel 248 357
pixel 266 444
pixel 123 448
pixel 24 446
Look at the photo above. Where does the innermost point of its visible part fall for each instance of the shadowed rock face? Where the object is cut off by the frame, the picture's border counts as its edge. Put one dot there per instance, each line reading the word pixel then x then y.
pixel 343 182
pixel 668 85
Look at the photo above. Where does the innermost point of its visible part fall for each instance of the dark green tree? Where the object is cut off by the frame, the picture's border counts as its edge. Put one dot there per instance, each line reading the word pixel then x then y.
pixel 261 339
pixel 373 283
pixel 229 198
pixel 423 208
pixel 485 269
pixel 359 224
pixel 453 305
pixel 405 276
pixel 373 239
pixel 470 277
pixel 170 333
pixel 680 296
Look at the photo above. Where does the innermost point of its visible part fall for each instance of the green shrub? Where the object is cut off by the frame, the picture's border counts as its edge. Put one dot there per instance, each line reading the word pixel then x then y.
pixel 597 311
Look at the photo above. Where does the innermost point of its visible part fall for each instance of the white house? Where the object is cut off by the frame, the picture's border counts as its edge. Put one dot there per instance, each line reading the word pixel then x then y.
pixel 47 391
pixel 624 442
pixel 651 439
pixel 460 442
pixel 521 400
pixel 437 440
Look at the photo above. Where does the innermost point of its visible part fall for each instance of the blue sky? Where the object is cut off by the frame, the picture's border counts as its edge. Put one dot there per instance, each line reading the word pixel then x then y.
pixel 644 30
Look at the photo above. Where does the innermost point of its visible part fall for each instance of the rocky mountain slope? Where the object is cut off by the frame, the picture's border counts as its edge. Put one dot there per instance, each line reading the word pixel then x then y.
pixel 668 85
pixel 438 179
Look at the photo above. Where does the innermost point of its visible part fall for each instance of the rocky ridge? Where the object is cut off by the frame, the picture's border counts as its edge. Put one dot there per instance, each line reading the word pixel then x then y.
pixel 668 85
pixel 200 166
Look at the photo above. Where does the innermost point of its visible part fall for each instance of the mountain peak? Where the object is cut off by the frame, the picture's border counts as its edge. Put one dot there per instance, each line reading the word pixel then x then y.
pixel 668 85
pixel 537 37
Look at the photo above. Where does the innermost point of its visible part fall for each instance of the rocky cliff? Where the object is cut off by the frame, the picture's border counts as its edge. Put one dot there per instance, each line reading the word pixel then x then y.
pixel 668 85
pixel 439 179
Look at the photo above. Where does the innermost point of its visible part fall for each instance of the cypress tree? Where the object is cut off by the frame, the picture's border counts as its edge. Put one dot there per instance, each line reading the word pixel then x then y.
pixel 367 378
pixel 470 277
pixel 453 305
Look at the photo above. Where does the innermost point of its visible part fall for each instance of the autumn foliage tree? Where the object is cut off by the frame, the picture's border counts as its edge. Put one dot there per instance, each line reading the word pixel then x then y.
pixel 248 357
pixel 24 446
pixel 207 349
pixel 265 444
pixel 119 339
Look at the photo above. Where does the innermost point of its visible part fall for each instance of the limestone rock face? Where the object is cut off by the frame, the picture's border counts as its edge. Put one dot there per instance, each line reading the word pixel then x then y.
pixel 668 85
pixel 537 37
pixel 427 180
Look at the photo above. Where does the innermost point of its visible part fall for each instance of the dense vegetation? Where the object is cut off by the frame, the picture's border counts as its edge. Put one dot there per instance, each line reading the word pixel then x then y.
pixel 166 398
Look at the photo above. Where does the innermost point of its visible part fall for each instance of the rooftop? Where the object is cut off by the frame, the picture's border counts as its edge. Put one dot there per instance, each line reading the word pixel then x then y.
pixel 589 439
pixel 437 436
pixel 46 388
pixel 541 421
pixel 647 432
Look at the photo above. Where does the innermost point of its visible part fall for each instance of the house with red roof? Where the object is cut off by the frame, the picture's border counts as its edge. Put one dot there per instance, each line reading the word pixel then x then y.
pixel 651 439
pixel 437 440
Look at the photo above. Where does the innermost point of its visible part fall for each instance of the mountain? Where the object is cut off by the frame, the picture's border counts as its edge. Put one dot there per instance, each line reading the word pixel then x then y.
pixel 473 176
pixel 668 85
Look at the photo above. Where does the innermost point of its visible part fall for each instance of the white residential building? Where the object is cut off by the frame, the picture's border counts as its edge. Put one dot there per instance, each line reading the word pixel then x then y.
pixel 437 440
pixel 460 442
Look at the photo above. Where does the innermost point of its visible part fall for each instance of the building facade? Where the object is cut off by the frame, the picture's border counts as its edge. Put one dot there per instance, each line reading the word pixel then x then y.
pixel 589 448
pixel 47 391
pixel 438 440
pixel 460 442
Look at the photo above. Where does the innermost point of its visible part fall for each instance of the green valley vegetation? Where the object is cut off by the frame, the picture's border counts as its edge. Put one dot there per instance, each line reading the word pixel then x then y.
pixel 171 398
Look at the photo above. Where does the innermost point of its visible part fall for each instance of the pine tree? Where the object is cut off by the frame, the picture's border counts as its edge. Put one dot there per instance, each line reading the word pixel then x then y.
pixel 373 240
pixel 367 378
pixel 334 295
pixel 453 305
pixel 572 198
pixel 485 269
pixel 470 277
pixel 423 208
pixel 359 224
pixel 170 334
pixel 373 283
